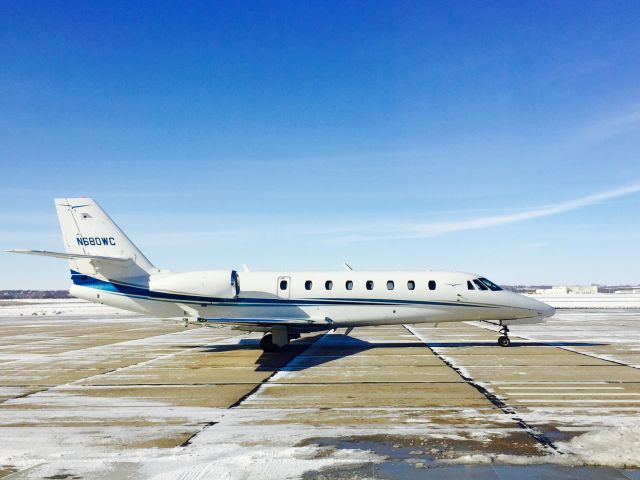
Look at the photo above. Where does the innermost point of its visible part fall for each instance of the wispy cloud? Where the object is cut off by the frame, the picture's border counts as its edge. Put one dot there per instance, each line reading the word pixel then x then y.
pixel 611 127
pixel 427 230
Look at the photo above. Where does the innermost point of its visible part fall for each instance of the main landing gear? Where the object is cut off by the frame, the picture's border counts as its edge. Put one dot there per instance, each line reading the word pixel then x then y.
pixel 504 341
pixel 267 345
pixel 279 337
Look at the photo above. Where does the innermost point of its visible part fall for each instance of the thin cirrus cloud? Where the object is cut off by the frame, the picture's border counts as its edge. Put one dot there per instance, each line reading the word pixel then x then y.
pixel 427 230
pixel 611 127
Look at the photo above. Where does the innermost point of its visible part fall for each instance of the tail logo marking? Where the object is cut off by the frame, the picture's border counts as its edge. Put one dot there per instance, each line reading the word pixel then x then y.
pixel 72 207
pixel 86 241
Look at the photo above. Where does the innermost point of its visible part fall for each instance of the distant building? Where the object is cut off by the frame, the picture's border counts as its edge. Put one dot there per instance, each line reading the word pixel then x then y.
pixel 567 289
pixel 628 290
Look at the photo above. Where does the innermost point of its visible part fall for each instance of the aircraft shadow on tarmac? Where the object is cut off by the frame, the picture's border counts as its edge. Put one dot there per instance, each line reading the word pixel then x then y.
pixel 333 347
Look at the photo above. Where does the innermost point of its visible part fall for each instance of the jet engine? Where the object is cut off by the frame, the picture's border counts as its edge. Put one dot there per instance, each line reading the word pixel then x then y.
pixel 212 283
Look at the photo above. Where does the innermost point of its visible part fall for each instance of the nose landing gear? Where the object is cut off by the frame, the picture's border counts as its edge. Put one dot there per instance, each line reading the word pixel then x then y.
pixel 503 340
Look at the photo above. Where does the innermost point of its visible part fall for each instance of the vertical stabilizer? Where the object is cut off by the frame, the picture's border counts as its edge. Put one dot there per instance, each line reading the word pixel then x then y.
pixel 87 229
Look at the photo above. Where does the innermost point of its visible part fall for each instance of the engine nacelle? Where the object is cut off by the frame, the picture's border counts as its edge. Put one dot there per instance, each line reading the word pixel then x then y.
pixel 210 283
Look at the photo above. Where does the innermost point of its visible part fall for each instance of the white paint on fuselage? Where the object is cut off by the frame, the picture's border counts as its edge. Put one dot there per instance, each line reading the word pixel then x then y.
pixel 261 296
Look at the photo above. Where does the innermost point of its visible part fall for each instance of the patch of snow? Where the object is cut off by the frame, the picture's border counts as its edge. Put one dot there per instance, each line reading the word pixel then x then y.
pixel 232 461
pixel 597 300
pixel 613 447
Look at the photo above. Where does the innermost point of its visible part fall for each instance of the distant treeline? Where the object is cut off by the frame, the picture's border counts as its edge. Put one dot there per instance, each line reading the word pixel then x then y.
pixel 17 294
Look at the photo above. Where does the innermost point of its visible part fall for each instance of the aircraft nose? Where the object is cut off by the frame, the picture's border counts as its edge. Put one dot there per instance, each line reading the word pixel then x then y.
pixel 528 303
pixel 548 310
pixel 542 308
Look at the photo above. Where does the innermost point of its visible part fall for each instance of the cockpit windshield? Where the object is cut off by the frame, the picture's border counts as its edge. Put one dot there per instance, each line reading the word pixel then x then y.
pixel 490 285
pixel 481 286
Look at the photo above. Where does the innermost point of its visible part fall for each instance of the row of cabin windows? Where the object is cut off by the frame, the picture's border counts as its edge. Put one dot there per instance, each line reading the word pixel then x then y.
pixel 328 285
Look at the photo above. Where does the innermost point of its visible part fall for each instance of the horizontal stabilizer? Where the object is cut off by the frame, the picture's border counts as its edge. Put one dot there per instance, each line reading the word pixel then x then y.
pixel 69 256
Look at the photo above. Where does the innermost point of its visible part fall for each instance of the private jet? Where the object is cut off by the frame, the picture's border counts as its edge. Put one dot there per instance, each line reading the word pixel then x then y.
pixel 107 268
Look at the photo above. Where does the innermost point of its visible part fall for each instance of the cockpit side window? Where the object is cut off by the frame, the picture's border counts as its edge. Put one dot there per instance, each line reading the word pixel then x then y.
pixel 490 285
pixel 480 285
pixel 470 285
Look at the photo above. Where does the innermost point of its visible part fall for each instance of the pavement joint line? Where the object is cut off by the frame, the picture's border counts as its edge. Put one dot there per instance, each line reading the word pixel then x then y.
pixel 163 357
pixel 24 470
pixel 496 472
pixel 566 349
pixel 624 474
pixel 61 354
pixel 24 395
pixel 494 399
pixel 78 382
pixel 238 402
pixel 251 392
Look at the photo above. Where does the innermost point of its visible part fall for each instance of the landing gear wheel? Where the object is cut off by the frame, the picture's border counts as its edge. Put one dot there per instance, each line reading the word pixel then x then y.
pixel 504 341
pixel 266 343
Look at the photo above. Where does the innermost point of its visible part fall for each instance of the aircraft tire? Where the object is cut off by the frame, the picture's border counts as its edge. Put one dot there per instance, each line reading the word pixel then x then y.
pixel 504 341
pixel 266 343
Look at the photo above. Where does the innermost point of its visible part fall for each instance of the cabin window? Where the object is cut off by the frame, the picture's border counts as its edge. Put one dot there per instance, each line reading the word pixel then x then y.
pixel 308 284
pixel 390 285
pixel 480 285
pixel 283 284
pixel 369 284
pixel 470 285
pixel 432 284
pixel 411 285
pixel 349 285
pixel 328 284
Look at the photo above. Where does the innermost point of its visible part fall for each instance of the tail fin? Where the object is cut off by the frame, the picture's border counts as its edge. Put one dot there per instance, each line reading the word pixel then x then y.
pixel 88 231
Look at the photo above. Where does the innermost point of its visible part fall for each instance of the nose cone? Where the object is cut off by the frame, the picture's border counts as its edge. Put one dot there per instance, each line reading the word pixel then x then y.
pixel 547 310
pixel 536 307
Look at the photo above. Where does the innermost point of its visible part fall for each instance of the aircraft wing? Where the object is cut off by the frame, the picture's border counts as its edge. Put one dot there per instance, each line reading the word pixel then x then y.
pixel 70 256
pixel 303 323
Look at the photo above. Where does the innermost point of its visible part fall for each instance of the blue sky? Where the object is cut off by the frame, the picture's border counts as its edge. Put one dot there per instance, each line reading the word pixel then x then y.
pixel 494 137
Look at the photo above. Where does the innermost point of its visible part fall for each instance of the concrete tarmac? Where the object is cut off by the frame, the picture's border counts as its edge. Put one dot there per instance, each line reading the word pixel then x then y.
pixel 443 393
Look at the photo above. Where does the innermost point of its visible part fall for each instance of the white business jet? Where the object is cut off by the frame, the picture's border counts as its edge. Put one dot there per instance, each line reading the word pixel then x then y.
pixel 107 268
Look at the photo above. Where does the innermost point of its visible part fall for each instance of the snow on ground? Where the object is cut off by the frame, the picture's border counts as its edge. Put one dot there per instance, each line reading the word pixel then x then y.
pixel 218 453
pixel 615 447
pixel 232 461
pixel 62 429
pixel 235 447
pixel 596 300
pixel 56 307
pixel 612 447
pixel 584 331
pixel 242 445
pixel 607 431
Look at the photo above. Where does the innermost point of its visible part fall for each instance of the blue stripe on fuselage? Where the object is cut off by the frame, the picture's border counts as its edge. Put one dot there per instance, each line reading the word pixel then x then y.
pixel 142 291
